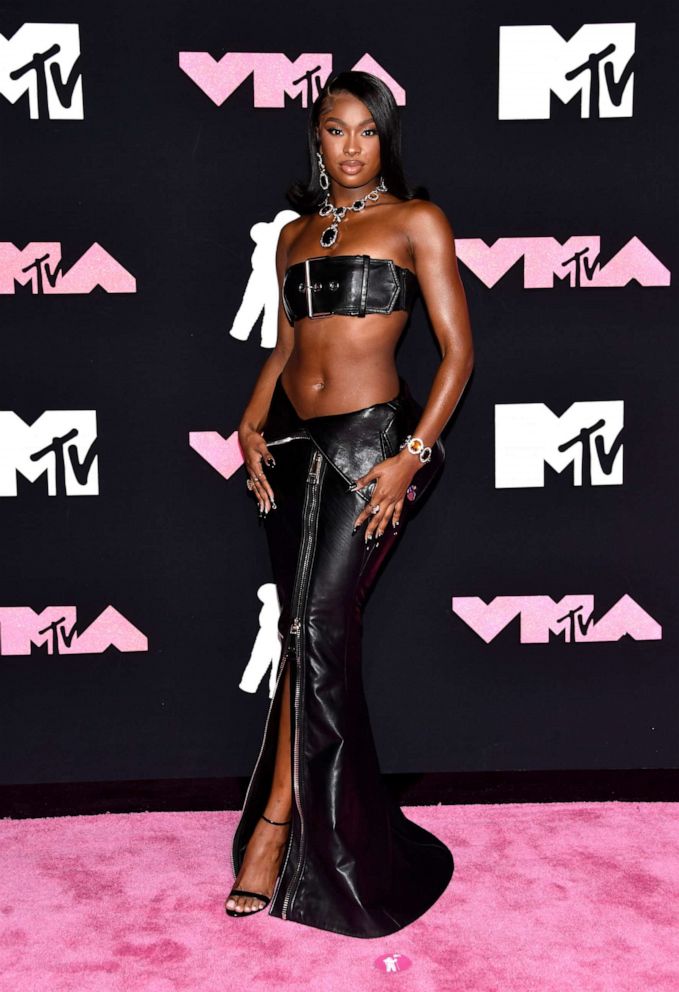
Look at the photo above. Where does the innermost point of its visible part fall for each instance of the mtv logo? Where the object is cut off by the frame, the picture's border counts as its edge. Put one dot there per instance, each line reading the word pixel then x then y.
pixel 60 445
pixel 586 438
pixel 43 60
pixel 596 63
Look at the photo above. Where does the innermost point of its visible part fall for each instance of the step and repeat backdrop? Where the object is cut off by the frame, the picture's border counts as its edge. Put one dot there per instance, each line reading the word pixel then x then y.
pixel 528 619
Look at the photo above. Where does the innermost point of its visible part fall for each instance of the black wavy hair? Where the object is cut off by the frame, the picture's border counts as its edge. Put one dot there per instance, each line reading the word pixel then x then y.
pixel 305 197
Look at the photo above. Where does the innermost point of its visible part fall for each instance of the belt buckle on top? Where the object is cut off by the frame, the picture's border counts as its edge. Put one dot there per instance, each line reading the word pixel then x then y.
pixel 309 291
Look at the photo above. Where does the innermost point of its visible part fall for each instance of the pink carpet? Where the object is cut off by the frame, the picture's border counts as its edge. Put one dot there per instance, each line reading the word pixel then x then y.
pixel 550 897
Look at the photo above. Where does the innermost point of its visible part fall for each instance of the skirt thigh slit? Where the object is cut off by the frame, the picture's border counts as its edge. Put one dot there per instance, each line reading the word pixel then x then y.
pixel 354 863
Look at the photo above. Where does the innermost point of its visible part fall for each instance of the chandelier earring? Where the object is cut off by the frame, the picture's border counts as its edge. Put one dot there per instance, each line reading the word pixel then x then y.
pixel 323 176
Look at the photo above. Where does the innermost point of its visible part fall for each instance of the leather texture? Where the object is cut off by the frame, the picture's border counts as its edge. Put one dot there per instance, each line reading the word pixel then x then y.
pixel 354 864
pixel 353 285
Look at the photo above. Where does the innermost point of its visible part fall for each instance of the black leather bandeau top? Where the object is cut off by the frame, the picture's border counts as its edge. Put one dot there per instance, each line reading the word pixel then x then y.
pixel 347 284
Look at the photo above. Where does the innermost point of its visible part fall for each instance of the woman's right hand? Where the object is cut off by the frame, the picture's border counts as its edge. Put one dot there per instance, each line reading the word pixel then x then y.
pixel 255 455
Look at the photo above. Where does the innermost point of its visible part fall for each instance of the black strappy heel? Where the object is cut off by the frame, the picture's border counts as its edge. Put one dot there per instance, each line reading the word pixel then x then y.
pixel 256 895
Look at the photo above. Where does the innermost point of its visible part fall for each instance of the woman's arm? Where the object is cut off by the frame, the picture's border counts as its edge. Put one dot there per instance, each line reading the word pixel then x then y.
pixel 253 445
pixel 433 248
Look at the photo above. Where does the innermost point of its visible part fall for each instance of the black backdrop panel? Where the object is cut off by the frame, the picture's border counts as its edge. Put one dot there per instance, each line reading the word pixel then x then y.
pixel 153 543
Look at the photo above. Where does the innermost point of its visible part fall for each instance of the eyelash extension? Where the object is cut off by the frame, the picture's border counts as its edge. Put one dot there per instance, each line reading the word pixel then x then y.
pixel 329 129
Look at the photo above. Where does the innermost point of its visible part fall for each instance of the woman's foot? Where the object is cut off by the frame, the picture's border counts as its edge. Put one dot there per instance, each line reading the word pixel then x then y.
pixel 261 865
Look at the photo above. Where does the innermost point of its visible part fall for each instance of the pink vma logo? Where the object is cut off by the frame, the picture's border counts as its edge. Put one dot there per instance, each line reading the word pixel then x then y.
pixel 56 628
pixel 571 618
pixel 274 75
pixel 39 265
pixel 578 261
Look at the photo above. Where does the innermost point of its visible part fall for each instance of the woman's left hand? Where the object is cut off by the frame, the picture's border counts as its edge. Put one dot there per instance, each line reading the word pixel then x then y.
pixel 393 476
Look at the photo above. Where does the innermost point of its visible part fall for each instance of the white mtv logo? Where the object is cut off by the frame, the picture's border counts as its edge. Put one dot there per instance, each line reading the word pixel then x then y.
pixel 596 62
pixel 43 60
pixel 587 437
pixel 60 444
pixel 265 655
pixel 262 293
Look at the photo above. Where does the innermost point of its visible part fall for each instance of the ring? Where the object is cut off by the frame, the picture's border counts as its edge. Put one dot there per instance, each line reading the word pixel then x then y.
pixel 375 509
pixel 248 483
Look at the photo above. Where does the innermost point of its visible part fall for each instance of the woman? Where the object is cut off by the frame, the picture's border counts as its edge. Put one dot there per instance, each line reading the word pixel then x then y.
pixel 348 453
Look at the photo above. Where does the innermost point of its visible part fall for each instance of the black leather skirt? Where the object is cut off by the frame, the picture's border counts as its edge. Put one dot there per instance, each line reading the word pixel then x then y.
pixel 354 863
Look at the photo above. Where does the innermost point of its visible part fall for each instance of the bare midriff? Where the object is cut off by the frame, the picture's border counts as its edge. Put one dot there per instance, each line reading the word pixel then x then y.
pixel 343 363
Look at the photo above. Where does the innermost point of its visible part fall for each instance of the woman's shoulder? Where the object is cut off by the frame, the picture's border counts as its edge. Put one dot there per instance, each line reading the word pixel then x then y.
pixel 291 231
pixel 425 217
pixel 294 226
pixel 422 208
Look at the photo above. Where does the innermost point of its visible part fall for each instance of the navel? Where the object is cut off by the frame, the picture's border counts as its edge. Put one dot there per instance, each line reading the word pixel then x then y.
pixel 319 385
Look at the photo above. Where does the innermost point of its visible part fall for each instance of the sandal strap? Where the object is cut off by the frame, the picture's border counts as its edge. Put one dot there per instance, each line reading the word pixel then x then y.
pixel 277 823
pixel 244 892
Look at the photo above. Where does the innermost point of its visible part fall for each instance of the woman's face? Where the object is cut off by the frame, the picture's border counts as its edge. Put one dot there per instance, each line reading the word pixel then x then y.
pixel 346 132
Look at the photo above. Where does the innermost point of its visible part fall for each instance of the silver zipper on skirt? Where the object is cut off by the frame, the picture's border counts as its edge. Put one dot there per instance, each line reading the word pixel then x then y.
pixel 308 543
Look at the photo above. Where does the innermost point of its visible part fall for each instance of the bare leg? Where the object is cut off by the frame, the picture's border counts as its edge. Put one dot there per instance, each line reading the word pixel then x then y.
pixel 264 852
